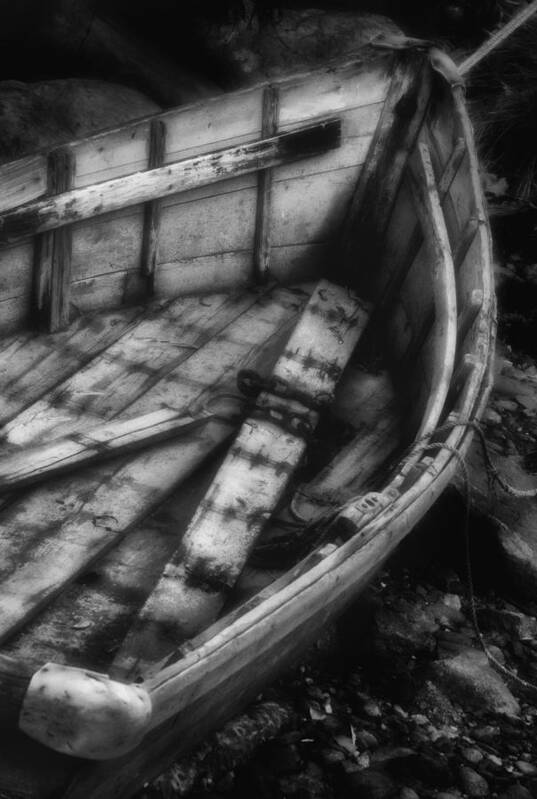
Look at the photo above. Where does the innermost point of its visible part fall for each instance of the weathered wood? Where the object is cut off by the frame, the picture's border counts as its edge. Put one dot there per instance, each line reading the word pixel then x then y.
pixel 31 365
pixel 269 127
pixel 63 528
pixel 112 439
pixel 372 204
pixel 150 239
pixel 23 180
pixel 429 209
pixel 106 249
pixel 113 194
pixel 121 375
pixel 249 484
pixel 53 252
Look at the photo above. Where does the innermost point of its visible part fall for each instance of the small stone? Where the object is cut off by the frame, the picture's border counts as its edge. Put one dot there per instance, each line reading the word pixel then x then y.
pixel 372 709
pixel 486 733
pixel 528 769
pixel 420 719
pixel 408 793
pixel 472 755
pixel 447 795
pixel 495 760
pixel 452 601
pixel 492 416
pixel 469 679
pixel 473 783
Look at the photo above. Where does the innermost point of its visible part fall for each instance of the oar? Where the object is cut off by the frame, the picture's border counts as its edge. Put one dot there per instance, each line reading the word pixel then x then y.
pixel 497 38
pixel 110 439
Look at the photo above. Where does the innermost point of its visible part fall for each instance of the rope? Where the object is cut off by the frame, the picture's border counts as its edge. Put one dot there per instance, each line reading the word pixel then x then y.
pixel 494 662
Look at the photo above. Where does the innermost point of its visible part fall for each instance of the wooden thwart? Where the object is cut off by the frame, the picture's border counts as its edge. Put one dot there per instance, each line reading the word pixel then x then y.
pixel 251 481
pixel 190 173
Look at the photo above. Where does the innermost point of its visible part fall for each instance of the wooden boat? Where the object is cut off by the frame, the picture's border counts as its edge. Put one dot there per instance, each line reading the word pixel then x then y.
pixel 322 239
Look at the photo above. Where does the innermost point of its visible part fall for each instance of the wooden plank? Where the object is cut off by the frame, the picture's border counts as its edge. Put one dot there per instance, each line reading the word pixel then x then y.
pixel 52 269
pixel 157 149
pixel 248 486
pixel 148 352
pixel 141 187
pixel 109 440
pixel 23 180
pixel 31 365
pixel 53 533
pixel 269 127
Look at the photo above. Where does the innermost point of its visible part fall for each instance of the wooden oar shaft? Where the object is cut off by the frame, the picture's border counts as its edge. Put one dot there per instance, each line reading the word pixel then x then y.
pixel 189 173
pixel 111 439
pixel 498 38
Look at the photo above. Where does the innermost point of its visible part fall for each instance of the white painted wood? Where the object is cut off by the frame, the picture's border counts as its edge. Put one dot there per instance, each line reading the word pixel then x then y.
pixel 84 714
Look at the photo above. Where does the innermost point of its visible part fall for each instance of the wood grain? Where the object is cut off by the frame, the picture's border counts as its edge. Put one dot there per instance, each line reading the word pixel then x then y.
pixel 111 195
pixel 53 252
pixel 269 126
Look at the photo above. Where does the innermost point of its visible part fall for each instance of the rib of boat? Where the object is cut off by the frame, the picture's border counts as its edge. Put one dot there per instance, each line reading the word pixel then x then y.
pixel 244 344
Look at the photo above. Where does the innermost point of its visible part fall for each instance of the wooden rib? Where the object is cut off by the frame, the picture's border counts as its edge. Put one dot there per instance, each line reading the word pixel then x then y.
pixel 269 127
pixel 249 484
pixel 112 439
pixel 150 236
pixel 52 534
pixel 52 269
pixel 429 210
pixel 415 242
pixel 381 176
pixel 111 195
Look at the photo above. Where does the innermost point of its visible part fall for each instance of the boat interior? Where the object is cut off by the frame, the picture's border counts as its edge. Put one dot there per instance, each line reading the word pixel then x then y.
pixel 177 301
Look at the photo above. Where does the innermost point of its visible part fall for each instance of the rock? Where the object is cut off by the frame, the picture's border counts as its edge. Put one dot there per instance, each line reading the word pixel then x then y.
pixel 447 795
pixel 469 678
pixel 514 519
pixel 404 630
pixel 517 624
pixel 525 768
pixel 294 39
pixel 472 755
pixel 35 116
pixel 486 733
pixel 434 703
pixel 492 417
pixel 370 784
pixel 473 783
pixel 408 793
pixel 372 709
pixel 516 791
